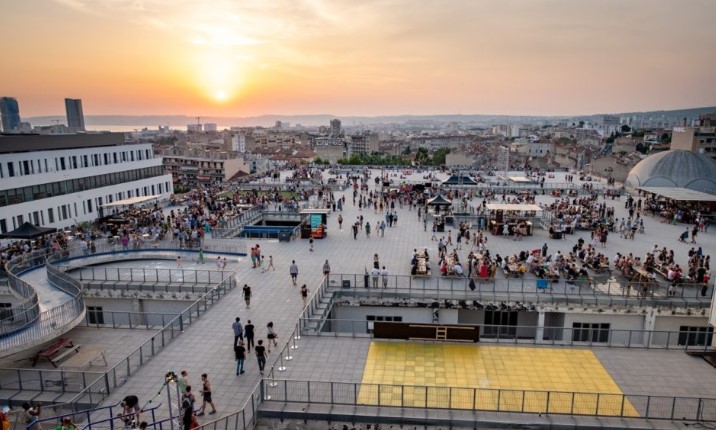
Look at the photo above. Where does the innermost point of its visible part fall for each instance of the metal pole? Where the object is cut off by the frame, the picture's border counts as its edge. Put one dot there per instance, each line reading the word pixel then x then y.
pixel 169 401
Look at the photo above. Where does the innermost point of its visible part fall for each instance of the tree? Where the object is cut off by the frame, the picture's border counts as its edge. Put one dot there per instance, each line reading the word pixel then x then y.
pixel 439 157
pixel 581 124
pixel 626 128
pixel 666 138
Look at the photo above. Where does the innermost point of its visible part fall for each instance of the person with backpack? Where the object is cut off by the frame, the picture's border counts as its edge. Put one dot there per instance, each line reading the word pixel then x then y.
pixel 187 400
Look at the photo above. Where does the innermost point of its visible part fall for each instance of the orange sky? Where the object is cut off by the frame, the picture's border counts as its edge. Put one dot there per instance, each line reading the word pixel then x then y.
pixel 350 57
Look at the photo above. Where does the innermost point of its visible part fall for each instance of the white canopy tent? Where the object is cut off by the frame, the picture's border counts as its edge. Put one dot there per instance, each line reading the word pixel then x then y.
pixel 513 207
pixel 680 194
pixel 131 201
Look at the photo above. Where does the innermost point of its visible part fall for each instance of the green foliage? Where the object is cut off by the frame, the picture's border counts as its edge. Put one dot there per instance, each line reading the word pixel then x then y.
pixel 637 133
pixel 375 160
pixel 665 138
pixel 439 157
pixel 319 160
pixel 626 128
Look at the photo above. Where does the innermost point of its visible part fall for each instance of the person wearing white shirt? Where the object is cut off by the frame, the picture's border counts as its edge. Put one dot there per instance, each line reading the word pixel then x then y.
pixel 375 274
pixel 384 275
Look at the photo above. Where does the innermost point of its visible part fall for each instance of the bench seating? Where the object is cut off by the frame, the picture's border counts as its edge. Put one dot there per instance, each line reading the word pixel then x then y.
pixel 54 348
pixel 85 357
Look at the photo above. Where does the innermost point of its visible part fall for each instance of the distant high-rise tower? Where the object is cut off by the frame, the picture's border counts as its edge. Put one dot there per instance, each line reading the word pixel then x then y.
pixel 9 114
pixel 335 128
pixel 75 117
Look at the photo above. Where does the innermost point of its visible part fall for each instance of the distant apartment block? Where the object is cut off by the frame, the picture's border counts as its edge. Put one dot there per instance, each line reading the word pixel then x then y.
pixel 335 128
pixel 9 114
pixel 700 138
pixel 75 116
pixel 192 171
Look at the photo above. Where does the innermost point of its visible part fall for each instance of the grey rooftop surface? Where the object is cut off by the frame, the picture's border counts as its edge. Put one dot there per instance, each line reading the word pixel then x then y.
pixel 206 345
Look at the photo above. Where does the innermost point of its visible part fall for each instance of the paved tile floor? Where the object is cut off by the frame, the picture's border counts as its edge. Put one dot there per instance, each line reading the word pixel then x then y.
pixel 206 347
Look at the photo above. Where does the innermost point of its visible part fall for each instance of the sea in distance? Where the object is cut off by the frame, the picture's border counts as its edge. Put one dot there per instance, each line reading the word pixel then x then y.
pixel 133 128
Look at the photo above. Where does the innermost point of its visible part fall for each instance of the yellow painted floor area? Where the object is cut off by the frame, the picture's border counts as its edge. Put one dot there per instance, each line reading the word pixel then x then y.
pixel 493 378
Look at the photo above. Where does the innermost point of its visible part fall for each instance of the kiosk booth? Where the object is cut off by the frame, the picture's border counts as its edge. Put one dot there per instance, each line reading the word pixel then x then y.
pixel 315 222
pixel 515 216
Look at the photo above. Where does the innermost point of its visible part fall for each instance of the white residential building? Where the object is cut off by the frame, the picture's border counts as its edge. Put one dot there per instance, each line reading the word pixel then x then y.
pixel 63 180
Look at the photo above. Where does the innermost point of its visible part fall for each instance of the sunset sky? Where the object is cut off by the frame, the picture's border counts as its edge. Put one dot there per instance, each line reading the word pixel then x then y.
pixel 358 57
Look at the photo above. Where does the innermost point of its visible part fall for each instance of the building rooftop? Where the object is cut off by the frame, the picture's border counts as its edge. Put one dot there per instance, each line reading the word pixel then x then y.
pixel 206 345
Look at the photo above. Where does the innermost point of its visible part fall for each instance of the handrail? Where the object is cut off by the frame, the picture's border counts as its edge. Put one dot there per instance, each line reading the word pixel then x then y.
pixel 454 287
pixel 492 399
pixel 28 310
pixel 119 373
pixel 540 335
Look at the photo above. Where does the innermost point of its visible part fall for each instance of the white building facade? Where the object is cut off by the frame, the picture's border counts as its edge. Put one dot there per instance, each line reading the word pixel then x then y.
pixel 61 181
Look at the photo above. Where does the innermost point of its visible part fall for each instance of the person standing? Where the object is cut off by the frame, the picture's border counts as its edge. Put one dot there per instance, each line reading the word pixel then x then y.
pixel 310 244
pixel 179 262
pixel 340 222
pixel 201 256
pixel 183 381
pixel 326 268
pixel 293 270
pixel 384 275
pixel 206 395
pixel 271 336
pixel 304 294
pixel 249 334
pixel 375 274
pixel 261 356
pixel 270 265
pixel 31 415
pixel 240 352
pixel 247 295
pixel 238 330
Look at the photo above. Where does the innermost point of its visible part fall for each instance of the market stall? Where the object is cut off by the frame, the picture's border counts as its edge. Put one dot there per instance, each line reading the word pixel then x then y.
pixel 517 217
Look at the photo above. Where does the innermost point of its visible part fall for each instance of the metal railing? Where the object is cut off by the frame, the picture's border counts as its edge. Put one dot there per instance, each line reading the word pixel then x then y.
pixel 104 246
pixel 537 335
pixel 234 225
pixel 244 418
pixel 46 380
pixel 121 320
pixel 52 320
pixel 493 400
pixel 144 275
pixel 120 373
pixel 525 288
pixel 28 309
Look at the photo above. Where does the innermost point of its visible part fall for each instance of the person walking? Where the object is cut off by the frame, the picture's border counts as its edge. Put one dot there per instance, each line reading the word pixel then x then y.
pixel 206 395
pixel 304 294
pixel 310 244
pixel 326 268
pixel 238 330
pixel 183 381
pixel 293 270
pixel 201 256
pixel 179 262
pixel 270 266
pixel 271 336
pixel 247 295
pixel 340 222
pixel 261 356
pixel 240 352
pixel 249 334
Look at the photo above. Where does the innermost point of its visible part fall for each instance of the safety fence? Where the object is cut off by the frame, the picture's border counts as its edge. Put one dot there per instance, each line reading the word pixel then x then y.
pixel 492 400
pixel 148 276
pixel 27 310
pixel 538 290
pixel 693 339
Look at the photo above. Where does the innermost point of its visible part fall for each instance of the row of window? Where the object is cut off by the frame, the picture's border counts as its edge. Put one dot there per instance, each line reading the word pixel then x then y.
pixel 58 164
pixel 89 206
pixel 53 189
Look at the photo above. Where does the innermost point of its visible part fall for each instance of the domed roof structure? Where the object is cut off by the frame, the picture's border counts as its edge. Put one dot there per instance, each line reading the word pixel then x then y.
pixel 675 168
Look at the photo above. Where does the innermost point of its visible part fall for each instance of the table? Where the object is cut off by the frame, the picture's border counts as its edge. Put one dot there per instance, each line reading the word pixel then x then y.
pixel 642 276
pixel 85 357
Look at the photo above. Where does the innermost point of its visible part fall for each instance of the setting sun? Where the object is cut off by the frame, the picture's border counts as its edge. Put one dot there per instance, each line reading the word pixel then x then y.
pixel 220 96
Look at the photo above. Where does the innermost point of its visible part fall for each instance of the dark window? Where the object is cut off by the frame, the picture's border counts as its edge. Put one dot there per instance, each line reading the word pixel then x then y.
pixel 51 215
pixel 695 335
pixel 590 332
pixel 95 315
pixel 10 169
pixel 25 167
pixel 89 205
pixel 3 226
pixel 500 324
pixel 6 312
pixel 62 163
pixel 64 212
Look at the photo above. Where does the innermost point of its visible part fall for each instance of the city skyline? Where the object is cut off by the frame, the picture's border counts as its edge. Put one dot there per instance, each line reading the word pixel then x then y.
pixel 542 57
